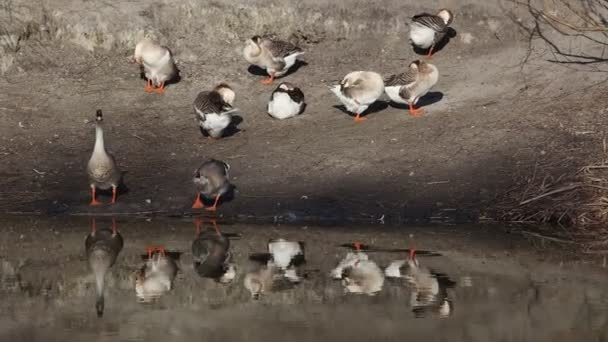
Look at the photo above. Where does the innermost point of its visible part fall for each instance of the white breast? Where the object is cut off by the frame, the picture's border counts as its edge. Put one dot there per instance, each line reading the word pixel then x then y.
pixel 393 93
pixel 350 104
pixel 394 269
pixel 214 124
pixel 289 62
pixel 281 106
pixel 421 35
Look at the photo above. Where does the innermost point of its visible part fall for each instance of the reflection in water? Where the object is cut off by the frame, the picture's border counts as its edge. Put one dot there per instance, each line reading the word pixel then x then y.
pixel 211 255
pixel 359 274
pixel 157 274
pixel 278 269
pixel 102 247
pixel 428 288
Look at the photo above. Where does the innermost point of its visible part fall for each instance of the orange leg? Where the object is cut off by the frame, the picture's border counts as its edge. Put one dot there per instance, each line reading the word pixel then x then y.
pixel 197 203
pixel 358 118
pixel 357 246
pixel 150 250
pixel 415 112
pixel 430 54
pixel 94 200
pixel 198 222
pixel 114 194
pixel 162 250
pixel 269 80
pixel 214 207
pixel 161 89
pixel 149 87
pixel 217 230
pixel 412 253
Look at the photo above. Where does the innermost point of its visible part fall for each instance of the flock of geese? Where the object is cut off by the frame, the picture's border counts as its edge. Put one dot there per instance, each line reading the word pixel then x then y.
pixel 213 108
pixel 280 268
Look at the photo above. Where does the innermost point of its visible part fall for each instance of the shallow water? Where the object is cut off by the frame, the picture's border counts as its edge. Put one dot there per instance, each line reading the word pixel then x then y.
pixel 501 287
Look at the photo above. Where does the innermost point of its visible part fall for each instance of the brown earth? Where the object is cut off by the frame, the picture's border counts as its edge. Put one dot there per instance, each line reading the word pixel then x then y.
pixel 489 119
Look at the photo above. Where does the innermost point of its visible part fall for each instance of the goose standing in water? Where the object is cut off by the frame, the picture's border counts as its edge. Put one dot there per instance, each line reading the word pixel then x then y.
pixel 102 247
pixel 103 172
pixel 212 180
pixel 273 55
pixel 426 30
pixel 156 276
pixel 157 62
pixel 358 90
pixel 409 86
pixel 213 109
pixel 210 251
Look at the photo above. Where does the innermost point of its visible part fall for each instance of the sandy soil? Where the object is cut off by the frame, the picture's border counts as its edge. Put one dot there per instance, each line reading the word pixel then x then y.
pixel 488 120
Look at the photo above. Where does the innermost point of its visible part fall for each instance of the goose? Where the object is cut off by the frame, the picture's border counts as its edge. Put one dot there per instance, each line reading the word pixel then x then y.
pixel 211 255
pixel 213 109
pixel 267 278
pixel 363 277
pixel 358 90
pixel 103 172
pixel 426 30
pixel 102 248
pixel 212 180
pixel 271 54
pixel 157 62
pixel 156 276
pixel 409 86
pixel 286 101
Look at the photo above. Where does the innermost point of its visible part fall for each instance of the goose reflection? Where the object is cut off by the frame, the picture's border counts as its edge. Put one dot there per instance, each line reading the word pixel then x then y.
pixel 211 255
pixel 279 269
pixel 102 247
pixel 156 276
pixel 428 288
pixel 359 274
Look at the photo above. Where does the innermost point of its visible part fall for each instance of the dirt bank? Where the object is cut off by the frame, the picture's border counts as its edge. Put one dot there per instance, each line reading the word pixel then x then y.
pixel 490 118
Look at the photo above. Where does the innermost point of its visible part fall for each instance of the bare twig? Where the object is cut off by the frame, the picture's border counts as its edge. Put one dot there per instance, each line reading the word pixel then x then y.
pixel 552 192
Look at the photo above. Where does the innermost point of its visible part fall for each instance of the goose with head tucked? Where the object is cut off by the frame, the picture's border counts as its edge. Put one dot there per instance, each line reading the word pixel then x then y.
pixel 271 54
pixel 212 180
pixel 426 30
pixel 103 172
pixel 102 247
pixel 409 86
pixel 157 62
pixel 214 108
pixel 286 101
pixel 156 276
pixel 358 90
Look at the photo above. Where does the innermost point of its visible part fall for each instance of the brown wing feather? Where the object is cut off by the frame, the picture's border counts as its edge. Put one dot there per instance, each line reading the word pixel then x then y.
pixel 404 78
pixel 279 48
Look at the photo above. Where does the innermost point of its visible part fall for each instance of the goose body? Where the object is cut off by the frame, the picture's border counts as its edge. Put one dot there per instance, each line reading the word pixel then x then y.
pixel 286 253
pixel 213 109
pixel 210 252
pixel 103 172
pixel 349 260
pixel 211 179
pixel 363 277
pixel 102 248
pixel 426 30
pixel 156 277
pixel 157 62
pixel 358 90
pixel 273 55
pixel 408 87
pixel 286 101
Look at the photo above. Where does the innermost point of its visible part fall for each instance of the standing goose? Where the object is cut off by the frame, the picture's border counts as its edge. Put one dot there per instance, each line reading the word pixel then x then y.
pixel 158 64
pixel 408 87
pixel 210 251
pixel 349 260
pixel 102 247
pixel 358 90
pixel 102 169
pixel 286 101
pixel 213 109
pixel 156 276
pixel 359 274
pixel 273 55
pixel 212 180
pixel 426 30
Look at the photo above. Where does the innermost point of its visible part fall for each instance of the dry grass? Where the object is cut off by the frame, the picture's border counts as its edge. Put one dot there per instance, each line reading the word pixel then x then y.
pixel 575 201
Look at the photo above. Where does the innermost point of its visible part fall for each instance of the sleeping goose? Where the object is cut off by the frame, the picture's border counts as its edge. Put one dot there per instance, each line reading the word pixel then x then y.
pixel 213 109
pixel 358 90
pixel 426 30
pixel 102 169
pixel 156 276
pixel 409 86
pixel 158 64
pixel 286 101
pixel 273 55
pixel 212 180
pixel 102 247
